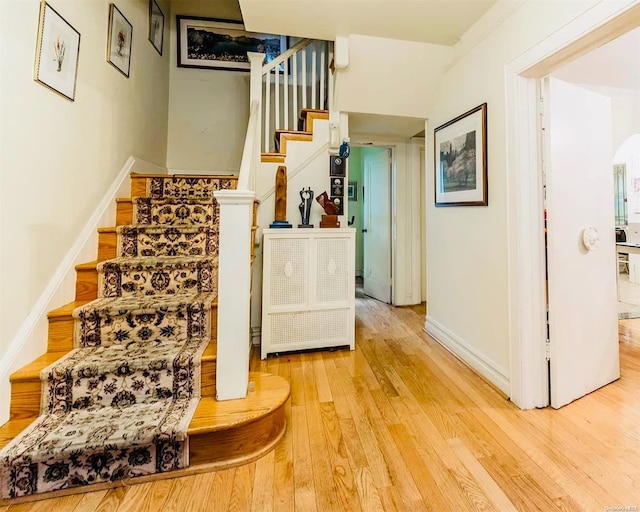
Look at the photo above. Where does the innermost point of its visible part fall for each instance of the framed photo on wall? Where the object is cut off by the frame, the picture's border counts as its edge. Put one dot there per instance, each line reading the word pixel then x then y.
pixel 461 160
pixel 57 52
pixel 352 191
pixel 119 41
pixel 222 44
pixel 156 25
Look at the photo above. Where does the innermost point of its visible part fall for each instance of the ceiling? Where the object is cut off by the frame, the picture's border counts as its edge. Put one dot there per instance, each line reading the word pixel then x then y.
pixel 428 21
pixel 615 64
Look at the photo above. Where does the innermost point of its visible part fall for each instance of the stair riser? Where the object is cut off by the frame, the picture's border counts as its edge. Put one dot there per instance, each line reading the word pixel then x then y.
pixel 26 393
pixel 128 281
pixel 141 242
pixel 175 211
pixel 86 284
pixel 124 213
pixel 107 243
pixel 237 443
pixel 61 331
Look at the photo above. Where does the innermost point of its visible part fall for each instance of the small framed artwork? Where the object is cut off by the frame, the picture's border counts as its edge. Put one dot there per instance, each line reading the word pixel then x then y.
pixel 222 44
pixel 461 160
pixel 119 41
pixel 337 186
pixel 336 166
pixel 57 52
pixel 338 201
pixel 156 25
pixel 352 191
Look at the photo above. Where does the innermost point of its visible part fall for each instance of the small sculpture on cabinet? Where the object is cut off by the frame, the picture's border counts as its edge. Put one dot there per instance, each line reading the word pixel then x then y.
pixel 330 220
pixel 280 214
pixel 305 207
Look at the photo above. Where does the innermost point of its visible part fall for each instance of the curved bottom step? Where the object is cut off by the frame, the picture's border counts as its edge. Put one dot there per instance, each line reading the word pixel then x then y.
pixel 221 434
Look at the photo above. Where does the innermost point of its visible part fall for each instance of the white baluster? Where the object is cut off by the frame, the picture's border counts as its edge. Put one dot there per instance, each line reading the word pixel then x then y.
pixel 322 73
pixel 276 91
pixel 314 65
pixel 295 90
pixel 267 112
pixel 286 95
pixel 304 77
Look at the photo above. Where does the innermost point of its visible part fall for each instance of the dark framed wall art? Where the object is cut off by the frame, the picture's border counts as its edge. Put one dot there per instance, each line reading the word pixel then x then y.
pixel 222 44
pixel 461 160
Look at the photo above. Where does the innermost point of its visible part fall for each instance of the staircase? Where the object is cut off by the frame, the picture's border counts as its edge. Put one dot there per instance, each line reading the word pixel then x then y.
pixel 126 389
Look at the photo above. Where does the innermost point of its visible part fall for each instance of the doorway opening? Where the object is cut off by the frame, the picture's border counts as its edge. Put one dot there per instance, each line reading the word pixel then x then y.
pixel 530 343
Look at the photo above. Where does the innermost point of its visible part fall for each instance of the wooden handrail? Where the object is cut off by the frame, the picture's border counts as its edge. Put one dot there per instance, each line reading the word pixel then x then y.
pixel 284 56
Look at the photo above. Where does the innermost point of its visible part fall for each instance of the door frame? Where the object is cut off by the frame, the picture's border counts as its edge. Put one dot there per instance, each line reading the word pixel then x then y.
pixel 526 252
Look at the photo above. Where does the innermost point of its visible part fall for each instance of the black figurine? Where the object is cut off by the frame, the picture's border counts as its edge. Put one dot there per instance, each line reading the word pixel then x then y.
pixel 305 207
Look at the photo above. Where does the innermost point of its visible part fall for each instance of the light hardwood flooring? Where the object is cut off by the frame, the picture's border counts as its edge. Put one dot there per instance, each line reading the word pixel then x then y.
pixel 400 424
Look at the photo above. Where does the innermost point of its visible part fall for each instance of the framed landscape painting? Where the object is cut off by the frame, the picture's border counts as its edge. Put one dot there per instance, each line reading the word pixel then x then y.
pixel 222 44
pixel 461 160
pixel 57 52
pixel 119 41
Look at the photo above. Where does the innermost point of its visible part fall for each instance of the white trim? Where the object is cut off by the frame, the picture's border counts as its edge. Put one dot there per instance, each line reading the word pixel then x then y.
pixel 30 339
pixel 489 369
pixel 527 300
pixel 256 335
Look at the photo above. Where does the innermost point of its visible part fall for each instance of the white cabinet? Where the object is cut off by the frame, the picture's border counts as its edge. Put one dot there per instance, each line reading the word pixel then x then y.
pixel 308 289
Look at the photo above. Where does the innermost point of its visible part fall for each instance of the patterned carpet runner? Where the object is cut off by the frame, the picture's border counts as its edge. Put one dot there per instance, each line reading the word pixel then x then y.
pixel 119 404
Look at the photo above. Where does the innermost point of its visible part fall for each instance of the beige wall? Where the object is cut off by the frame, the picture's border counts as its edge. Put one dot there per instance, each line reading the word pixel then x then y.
pixel 58 157
pixel 386 76
pixel 467 260
pixel 208 109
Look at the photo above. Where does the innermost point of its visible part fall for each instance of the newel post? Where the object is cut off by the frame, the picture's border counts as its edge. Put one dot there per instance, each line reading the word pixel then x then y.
pixel 234 287
pixel 255 89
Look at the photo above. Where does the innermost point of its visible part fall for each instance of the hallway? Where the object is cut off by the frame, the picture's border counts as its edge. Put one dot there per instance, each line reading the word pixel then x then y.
pixel 400 424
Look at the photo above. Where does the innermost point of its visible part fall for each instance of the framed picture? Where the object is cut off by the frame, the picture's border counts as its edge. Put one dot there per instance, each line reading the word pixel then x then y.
pixel 352 191
pixel 461 160
pixel 57 51
pixel 156 26
pixel 119 41
pixel 222 44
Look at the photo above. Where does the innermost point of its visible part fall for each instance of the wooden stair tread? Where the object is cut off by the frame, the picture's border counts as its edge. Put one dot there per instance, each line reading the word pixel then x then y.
pixel 32 370
pixel 292 132
pixel 12 428
pixel 67 309
pixel 270 392
pixel 89 265
pixel 305 111
pixel 218 176
pixel 110 229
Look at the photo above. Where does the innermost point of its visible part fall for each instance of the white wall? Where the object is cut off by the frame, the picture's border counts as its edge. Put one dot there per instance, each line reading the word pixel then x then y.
pixel 387 76
pixel 467 264
pixel 208 108
pixel 58 157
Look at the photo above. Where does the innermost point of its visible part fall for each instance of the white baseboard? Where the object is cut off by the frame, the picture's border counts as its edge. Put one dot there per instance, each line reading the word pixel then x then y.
pixel 256 335
pixel 489 369
pixel 30 340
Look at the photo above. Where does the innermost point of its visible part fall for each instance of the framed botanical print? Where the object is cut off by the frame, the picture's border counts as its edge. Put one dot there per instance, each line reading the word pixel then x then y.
pixel 156 25
pixel 119 41
pixel 57 52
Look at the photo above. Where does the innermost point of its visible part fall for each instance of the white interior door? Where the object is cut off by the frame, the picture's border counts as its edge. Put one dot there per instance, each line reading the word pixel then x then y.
pixel 583 329
pixel 377 226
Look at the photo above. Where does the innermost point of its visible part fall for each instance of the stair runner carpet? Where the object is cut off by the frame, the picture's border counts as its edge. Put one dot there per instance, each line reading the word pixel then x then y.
pixel 119 404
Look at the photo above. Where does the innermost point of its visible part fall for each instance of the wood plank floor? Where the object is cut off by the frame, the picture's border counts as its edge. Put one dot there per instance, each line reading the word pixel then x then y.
pixel 400 424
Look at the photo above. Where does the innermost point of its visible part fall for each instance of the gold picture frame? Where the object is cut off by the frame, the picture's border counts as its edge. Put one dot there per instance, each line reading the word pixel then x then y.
pixel 119 40
pixel 57 53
